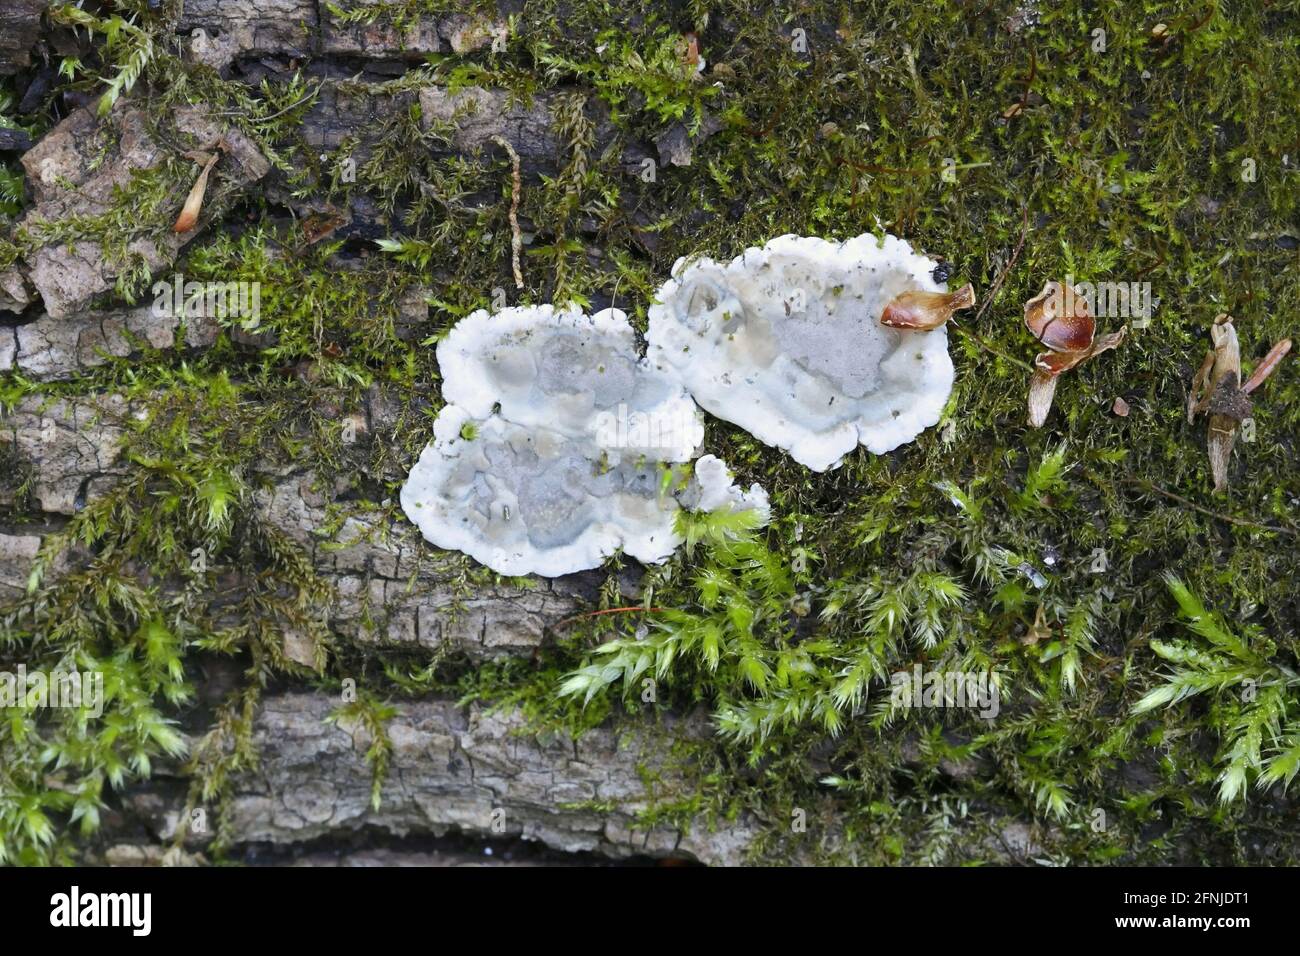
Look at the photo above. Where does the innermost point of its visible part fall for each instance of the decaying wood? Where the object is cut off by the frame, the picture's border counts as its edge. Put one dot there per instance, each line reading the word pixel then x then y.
pixel 14 140
pixel 223 31
pixel 471 771
pixel 70 177
pixel 453 767
pixel 20 25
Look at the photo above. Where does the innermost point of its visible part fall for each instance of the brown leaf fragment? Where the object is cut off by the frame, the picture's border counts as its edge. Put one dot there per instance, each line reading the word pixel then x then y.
pixel 1054 363
pixel 1266 367
pixel 189 217
pixel 1200 387
pixel 1107 342
pixel 1218 391
pixel 320 225
pixel 1037 631
pixel 1221 437
pixel 1059 318
pixel 1228 402
pixel 691 51
pixel 1227 349
pixel 1042 389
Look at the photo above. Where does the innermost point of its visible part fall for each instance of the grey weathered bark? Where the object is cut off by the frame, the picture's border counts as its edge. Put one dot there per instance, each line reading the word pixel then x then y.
pixel 469 771
pixel 78 170
pixel 451 769
pixel 70 448
pixel 20 25
pixel 472 771
pixel 222 31
pixel 389 589
pixel 51 350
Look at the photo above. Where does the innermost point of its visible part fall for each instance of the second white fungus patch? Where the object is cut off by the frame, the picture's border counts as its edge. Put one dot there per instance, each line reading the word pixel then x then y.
pixel 786 342
pixel 576 374
pixel 560 445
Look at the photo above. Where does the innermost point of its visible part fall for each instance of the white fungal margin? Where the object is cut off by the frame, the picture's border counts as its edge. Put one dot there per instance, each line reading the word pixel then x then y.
pixel 714 489
pixel 532 501
pixel 786 342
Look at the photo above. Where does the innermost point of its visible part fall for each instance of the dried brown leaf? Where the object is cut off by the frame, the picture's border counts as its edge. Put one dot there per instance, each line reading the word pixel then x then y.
pixel 189 217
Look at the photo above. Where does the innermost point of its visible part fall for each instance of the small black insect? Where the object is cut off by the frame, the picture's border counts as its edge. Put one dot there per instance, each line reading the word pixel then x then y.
pixel 942 272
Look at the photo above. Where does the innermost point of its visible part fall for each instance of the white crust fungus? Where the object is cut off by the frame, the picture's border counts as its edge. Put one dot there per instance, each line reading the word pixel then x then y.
pixel 576 374
pixel 714 490
pixel 559 446
pixel 786 342
pixel 533 501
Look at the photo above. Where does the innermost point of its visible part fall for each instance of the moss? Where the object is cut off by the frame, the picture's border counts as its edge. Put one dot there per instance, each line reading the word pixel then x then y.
pixel 1122 165
pixel 402 15
pixel 138 212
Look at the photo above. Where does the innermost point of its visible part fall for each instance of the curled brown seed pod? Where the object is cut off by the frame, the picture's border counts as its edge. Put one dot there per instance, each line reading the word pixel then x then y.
pixel 1217 391
pixel 189 217
pixel 1059 318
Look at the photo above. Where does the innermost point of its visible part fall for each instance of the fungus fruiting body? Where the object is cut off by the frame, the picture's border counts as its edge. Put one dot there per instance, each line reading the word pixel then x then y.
pixel 575 374
pixel 559 446
pixel 787 342
pixel 530 500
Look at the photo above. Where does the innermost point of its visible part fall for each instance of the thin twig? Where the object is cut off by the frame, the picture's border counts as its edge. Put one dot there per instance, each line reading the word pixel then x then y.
pixel 985 345
pixel 614 296
pixel 1266 367
pixel 988 300
pixel 516 240
pixel 1001 277
pixel 1188 503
